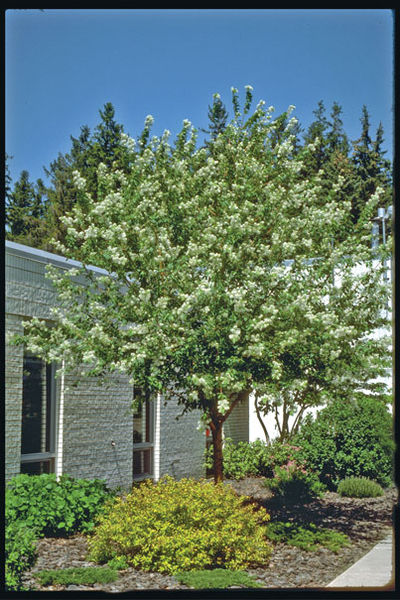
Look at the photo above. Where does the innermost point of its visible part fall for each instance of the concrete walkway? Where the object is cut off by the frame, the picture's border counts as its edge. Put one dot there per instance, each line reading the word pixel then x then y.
pixel 374 570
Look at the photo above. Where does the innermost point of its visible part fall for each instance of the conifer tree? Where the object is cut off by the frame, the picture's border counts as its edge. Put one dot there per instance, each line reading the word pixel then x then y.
pixel 25 210
pixel 218 116
pixel 317 132
pixel 105 146
pixel 372 170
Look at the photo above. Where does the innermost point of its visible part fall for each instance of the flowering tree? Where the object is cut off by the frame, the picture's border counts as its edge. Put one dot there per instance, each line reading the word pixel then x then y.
pixel 210 287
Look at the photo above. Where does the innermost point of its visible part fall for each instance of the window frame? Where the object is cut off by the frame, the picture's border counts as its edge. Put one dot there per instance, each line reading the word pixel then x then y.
pixel 48 456
pixel 148 413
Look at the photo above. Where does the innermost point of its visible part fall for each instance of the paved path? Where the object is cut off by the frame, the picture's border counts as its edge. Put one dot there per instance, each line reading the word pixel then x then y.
pixel 373 570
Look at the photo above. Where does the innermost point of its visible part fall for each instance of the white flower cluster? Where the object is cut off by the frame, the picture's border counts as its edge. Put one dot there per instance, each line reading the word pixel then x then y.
pixel 128 142
pixel 223 406
pixel 234 336
pixel 79 181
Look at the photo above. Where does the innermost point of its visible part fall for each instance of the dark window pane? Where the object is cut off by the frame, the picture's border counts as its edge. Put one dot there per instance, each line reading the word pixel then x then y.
pixel 37 468
pixel 142 462
pixel 137 428
pixel 49 411
pixel 32 406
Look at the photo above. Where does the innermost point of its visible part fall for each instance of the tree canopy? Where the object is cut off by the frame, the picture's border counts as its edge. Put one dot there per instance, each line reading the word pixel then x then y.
pixel 221 264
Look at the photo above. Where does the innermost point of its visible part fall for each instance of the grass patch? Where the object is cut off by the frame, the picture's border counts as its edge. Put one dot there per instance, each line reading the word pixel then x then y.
pixel 216 579
pixel 76 576
pixel 307 537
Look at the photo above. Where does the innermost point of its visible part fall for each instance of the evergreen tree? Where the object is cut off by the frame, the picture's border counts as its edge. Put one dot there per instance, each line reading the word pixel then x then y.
pixel 336 137
pixel 25 210
pixel 87 152
pixel 107 147
pixel 7 179
pixel 218 116
pixel 372 170
pixel 317 134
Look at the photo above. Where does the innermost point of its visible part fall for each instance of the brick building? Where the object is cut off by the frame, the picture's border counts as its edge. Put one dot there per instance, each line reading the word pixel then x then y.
pixel 84 427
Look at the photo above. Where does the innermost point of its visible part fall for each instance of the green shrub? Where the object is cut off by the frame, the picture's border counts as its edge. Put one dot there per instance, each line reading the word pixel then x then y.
pixel 246 459
pixel 293 484
pixel 242 459
pixel 359 487
pixel 118 562
pixel 20 552
pixel 76 576
pixel 349 439
pixel 216 579
pixel 54 507
pixel 307 537
pixel 173 526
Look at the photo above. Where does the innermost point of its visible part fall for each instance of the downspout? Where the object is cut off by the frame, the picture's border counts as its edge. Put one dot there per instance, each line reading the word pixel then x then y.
pixel 157 444
pixel 60 426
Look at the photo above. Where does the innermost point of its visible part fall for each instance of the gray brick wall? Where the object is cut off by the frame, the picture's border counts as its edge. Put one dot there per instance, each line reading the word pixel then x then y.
pixel 237 424
pixel 97 412
pixel 181 444
pixel 13 398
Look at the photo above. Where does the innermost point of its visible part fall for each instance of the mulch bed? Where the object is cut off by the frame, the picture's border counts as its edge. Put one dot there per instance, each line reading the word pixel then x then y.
pixel 366 521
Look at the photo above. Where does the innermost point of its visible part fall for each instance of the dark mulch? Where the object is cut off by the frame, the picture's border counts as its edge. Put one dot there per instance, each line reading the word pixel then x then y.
pixel 366 521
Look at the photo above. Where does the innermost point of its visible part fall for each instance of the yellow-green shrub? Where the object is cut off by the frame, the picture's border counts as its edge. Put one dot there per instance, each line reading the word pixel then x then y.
pixel 173 526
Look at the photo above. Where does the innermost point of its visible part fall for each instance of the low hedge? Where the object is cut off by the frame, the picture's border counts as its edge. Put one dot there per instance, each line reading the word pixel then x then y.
pixel 359 487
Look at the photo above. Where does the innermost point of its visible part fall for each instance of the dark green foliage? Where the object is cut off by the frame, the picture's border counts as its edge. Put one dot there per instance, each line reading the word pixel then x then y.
pixel 349 438
pixel 20 552
pixel 243 459
pixel 293 484
pixel 76 576
pixel 359 487
pixel 118 562
pixel 217 115
pixel 371 168
pixel 7 179
pixel 25 210
pixel 216 579
pixel 307 537
pixel 57 199
pixel 247 459
pixel 52 507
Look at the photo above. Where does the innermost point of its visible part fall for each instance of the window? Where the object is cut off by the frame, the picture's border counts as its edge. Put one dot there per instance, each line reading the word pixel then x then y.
pixel 143 441
pixel 38 417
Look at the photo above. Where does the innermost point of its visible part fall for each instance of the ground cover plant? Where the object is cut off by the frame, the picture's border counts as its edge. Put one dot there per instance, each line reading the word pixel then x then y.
pixel 216 579
pixel 306 536
pixel 39 505
pixel 349 438
pixel 77 576
pixel 55 507
pixel 359 487
pixel 20 552
pixel 173 526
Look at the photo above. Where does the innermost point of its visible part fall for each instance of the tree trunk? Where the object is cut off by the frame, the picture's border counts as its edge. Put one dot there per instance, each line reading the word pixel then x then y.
pixel 267 439
pixel 216 424
pixel 216 430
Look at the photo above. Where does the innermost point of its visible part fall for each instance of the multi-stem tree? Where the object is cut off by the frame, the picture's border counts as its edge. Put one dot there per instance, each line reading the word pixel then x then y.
pixel 210 286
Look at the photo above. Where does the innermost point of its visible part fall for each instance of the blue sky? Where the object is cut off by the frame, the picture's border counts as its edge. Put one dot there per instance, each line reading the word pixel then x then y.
pixel 63 65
